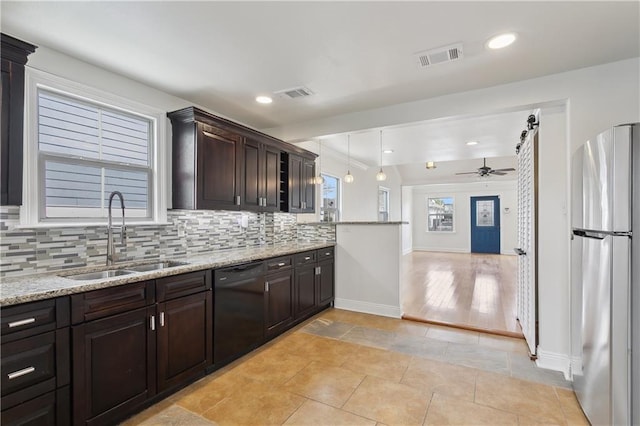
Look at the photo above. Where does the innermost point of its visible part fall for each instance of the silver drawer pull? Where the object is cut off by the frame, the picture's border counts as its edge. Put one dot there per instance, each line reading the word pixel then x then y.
pixel 328 253
pixel 21 373
pixel 281 264
pixel 161 319
pixel 307 257
pixel 21 322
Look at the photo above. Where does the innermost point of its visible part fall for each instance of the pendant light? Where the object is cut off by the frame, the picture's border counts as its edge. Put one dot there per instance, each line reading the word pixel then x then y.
pixel 348 178
pixel 381 176
pixel 319 180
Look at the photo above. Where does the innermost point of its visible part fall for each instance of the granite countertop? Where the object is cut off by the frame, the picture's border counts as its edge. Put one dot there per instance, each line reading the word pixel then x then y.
pixel 358 222
pixel 28 288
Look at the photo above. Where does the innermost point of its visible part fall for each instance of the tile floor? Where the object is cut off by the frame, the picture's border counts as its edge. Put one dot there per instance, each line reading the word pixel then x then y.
pixel 346 368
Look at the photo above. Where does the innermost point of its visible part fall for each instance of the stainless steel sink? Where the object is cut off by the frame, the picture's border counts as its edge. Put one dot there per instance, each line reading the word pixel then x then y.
pixel 156 266
pixel 100 275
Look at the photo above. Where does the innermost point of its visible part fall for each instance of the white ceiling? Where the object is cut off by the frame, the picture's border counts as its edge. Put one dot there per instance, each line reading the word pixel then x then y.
pixel 353 55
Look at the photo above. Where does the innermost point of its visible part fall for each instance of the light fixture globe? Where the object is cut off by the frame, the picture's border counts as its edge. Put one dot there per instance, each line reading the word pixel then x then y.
pixel 381 176
pixel 348 178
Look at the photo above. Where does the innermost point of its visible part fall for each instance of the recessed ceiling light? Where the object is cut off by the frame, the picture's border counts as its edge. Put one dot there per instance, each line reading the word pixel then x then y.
pixel 388 151
pixel 263 99
pixel 470 143
pixel 500 41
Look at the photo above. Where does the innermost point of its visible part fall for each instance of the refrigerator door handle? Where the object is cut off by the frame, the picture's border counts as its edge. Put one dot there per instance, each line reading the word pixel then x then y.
pixel 586 234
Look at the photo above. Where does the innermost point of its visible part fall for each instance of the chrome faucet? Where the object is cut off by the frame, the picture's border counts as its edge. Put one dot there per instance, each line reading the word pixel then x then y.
pixel 111 256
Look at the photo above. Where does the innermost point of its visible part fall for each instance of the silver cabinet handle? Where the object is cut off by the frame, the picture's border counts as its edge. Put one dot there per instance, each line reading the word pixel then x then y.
pixel 237 200
pixel 152 322
pixel 161 319
pixel 20 373
pixel 307 257
pixel 328 253
pixel 266 286
pixel 281 264
pixel 22 322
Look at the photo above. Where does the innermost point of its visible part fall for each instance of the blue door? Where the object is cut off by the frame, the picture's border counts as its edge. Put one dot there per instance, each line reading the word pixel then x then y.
pixel 485 224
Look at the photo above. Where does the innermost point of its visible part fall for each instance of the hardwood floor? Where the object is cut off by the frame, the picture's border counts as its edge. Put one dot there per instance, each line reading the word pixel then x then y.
pixel 474 291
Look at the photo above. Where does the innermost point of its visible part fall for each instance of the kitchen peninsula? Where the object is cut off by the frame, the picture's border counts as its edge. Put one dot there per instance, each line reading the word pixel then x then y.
pixel 368 265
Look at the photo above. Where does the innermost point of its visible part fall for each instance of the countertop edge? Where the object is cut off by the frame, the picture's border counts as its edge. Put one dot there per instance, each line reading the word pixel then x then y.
pixel 49 285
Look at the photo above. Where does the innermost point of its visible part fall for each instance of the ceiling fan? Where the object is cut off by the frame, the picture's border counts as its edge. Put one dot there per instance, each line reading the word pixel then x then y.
pixel 488 171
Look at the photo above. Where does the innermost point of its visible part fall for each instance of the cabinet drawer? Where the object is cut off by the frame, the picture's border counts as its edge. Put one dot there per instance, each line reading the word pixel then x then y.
pixel 325 254
pixel 306 258
pixel 279 263
pixel 109 301
pixel 34 365
pixel 52 408
pixel 182 285
pixel 29 319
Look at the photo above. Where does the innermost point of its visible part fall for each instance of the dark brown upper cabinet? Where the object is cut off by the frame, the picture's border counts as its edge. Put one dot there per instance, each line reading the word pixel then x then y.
pixel 14 55
pixel 219 164
pixel 302 188
pixel 261 176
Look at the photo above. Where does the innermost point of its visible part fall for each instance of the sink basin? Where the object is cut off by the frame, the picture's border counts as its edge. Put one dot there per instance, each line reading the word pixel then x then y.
pixel 156 266
pixel 99 275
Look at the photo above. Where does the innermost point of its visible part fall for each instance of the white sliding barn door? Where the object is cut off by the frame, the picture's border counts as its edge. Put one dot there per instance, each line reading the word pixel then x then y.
pixel 527 303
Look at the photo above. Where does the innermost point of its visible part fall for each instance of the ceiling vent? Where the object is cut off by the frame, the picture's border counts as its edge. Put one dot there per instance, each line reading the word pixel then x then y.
pixel 295 93
pixel 437 56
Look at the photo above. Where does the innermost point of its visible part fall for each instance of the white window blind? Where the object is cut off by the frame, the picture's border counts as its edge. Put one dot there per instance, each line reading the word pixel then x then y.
pixel 86 151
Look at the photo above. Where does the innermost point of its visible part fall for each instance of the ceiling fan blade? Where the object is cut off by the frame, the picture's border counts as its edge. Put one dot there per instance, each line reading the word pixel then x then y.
pixel 505 170
pixel 467 173
pixel 497 173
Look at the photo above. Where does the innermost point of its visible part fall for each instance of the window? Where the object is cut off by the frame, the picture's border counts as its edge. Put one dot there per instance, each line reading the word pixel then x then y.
pixel 330 209
pixel 440 214
pixel 85 144
pixel 383 204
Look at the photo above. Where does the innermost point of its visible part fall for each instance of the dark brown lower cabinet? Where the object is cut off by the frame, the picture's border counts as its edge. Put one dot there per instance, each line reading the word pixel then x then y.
pixel 325 282
pixel 52 408
pixel 184 339
pixel 114 366
pixel 279 301
pixel 305 290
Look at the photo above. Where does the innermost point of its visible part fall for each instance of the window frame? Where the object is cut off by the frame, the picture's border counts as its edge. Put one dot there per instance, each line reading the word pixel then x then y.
pixel 32 212
pixel 453 214
pixel 338 208
pixel 385 190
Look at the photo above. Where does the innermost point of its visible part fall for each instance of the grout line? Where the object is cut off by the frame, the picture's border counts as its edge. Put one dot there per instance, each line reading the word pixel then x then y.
pixel 426 413
pixel 352 392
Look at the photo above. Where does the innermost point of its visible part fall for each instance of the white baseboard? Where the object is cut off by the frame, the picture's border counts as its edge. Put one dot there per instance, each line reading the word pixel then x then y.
pixel 576 366
pixel 368 308
pixel 407 251
pixel 442 249
pixel 555 361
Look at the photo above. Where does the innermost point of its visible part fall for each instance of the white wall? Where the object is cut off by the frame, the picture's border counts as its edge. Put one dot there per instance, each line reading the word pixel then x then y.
pixel 407 216
pixel 460 240
pixel 368 268
pixel 360 198
pixel 595 98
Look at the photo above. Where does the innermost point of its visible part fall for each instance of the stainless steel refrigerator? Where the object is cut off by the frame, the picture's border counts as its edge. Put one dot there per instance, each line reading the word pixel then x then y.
pixel 606 209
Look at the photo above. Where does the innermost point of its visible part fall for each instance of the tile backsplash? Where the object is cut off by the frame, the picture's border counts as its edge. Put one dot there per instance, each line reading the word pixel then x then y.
pixel 32 250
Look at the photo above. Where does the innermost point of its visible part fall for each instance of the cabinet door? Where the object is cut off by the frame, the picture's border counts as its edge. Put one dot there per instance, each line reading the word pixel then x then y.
pixel 114 365
pixel 271 192
pixel 184 339
pixel 252 175
pixel 325 282
pixel 295 184
pixel 308 186
pixel 279 301
pixel 305 290
pixel 49 409
pixel 218 169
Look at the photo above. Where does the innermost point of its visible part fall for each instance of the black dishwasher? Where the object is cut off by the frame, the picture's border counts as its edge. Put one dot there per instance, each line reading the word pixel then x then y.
pixel 238 314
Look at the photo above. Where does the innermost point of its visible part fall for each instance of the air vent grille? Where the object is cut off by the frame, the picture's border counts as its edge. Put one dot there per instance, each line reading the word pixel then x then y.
pixel 294 93
pixel 440 55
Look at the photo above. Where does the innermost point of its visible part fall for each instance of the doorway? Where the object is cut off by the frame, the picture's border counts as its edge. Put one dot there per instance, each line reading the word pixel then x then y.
pixel 485 224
